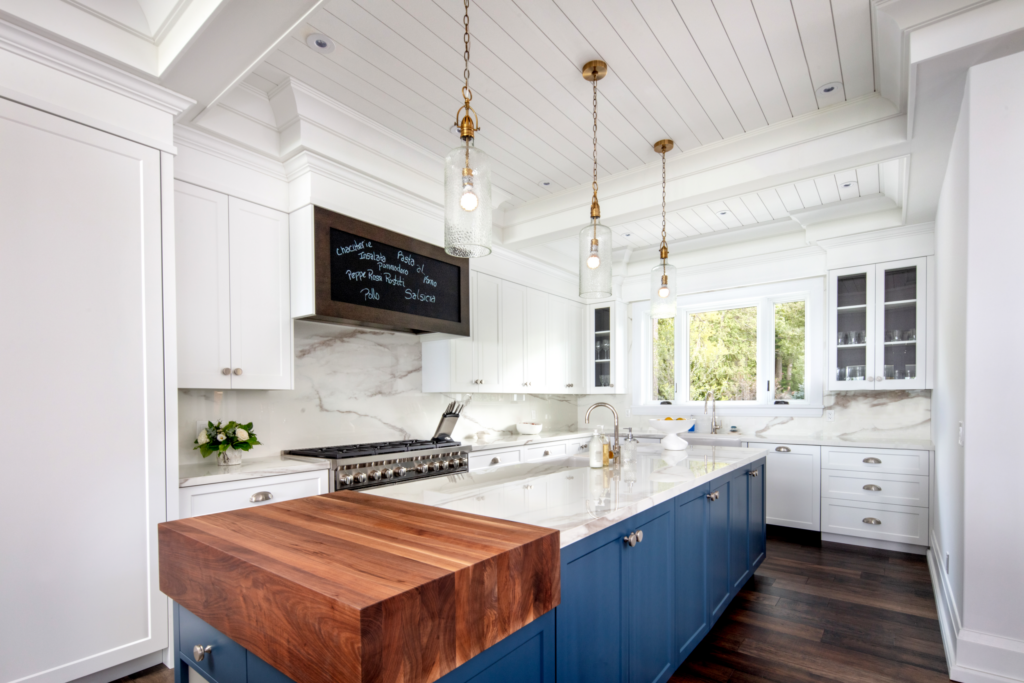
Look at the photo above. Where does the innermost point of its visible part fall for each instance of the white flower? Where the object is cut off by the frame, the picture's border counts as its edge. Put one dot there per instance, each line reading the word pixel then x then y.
pixel 220 436
pixel 203 438
pixel 241 434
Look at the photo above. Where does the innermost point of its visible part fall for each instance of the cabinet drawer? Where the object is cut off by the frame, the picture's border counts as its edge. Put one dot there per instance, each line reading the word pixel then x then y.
pixel 489 459
pixel 897 523
pixel 875 487
pixel 225 662
pixel 206 500
pixel 875 460
pixel 549 450
pixel 787 448
pixel 793 486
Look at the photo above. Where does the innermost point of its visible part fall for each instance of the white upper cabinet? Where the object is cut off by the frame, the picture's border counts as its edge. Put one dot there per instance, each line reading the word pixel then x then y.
pixel 513 336
pixel 574 347
pixel 877 326
pixel 487 332
pixel 536 341
pixel 604 345
pixel 557 369
pixel 234 317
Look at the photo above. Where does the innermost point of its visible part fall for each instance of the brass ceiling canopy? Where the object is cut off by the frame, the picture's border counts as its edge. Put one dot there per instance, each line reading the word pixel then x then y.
pixel 663 146
pixel 595 70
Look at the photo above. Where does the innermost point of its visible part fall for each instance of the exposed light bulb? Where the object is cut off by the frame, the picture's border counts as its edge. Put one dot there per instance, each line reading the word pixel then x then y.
pixel 593 261
pixel 469 201
pixel 663 291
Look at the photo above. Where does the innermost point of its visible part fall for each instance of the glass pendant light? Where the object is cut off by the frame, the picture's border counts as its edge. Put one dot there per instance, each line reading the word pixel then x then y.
pixel 595 239
pixel 467 179
pixel 663 275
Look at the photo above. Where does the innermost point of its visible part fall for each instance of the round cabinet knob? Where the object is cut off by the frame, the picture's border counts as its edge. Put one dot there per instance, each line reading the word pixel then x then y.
pixel 421 469
pixel 400 472
pixel 639 536
pixel 630 540
pixel 361 478
pixel 238 371
pixel 226 371
pixel 388 473
pixel 547 453
pixel 495 460
pixel 199 652
pixel 374 475
pixel 345 480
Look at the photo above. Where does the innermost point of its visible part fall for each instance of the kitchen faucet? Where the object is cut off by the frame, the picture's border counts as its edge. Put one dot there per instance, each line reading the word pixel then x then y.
pixel 609 406
pixel 714 419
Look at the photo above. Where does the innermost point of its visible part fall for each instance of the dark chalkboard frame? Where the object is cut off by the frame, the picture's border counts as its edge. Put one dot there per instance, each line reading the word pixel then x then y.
pixel 328 310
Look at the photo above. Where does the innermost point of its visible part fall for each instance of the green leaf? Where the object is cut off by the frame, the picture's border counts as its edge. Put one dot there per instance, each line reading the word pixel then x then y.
pixel 247 427
pixel 223 446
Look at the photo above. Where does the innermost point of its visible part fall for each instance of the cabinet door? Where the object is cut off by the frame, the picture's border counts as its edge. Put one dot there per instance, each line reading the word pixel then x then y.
pixel 487 333
pixel 739 541
pixel 589 632
pixel 513 337
pixel 718 550
pixel 261 320
pixel 900 324
pixel 851 329
pixel 756 530
pixel 574 342
pixel 691 570
pixel 556 352
pixel 536 339
pixel 203 295
pixel 600 352
pixel 463 351
pixel 793 486
pixel 650 604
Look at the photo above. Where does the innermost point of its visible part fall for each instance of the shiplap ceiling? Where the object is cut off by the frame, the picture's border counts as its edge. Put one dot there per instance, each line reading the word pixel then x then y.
pixel 757 208
pixel 696 71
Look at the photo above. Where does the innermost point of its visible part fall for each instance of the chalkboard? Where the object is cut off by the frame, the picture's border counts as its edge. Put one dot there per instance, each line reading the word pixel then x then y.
pixel 370 273
pixel 369 276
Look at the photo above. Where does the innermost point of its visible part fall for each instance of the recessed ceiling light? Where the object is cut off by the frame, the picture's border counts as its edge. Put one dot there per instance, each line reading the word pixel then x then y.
pixel 831 88
pixel 320 43
pixel 723 213
pixel 545 183
pixel 627 234
pixel 850 183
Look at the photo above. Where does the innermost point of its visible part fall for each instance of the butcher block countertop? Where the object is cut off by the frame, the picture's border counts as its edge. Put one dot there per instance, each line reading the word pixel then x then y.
pixel 352 587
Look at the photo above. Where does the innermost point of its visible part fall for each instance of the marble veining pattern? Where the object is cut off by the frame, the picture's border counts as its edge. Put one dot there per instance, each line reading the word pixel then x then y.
pixel 209 472
pixel 567 495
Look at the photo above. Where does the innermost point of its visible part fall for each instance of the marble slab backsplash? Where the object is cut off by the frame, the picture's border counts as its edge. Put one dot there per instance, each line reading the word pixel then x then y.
pixel 354 385
pixel 863 415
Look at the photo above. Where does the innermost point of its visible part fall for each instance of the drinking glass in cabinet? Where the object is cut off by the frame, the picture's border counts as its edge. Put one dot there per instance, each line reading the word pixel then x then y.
pixel 911 371
pixel 854 372
pixel 843 339
pixel 890 372
pixel 606 349
pixel 840 374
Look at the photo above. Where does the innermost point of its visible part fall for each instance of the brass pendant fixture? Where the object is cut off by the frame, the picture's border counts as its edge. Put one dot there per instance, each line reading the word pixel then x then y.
pixel 467 178
pixel 663 275
pixel 596 239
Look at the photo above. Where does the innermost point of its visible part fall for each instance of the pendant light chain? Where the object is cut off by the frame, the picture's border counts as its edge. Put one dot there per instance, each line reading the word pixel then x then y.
pixel 593 220
pixel 664 244
pixel 466 92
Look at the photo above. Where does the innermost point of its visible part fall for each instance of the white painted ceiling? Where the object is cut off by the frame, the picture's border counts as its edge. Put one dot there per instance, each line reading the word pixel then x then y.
pixel 145 17
pixel 696 71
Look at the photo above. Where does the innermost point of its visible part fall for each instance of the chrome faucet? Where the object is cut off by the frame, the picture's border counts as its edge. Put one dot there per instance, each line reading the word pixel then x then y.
pixel 609 406
pixel 714 419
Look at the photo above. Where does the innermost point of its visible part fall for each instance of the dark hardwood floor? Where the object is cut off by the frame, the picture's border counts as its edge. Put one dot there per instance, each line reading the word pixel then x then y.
pixel 829 614
pixel 825 613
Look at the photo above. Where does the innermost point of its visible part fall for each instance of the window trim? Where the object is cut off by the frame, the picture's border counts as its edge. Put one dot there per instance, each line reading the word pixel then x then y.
pixel 764 297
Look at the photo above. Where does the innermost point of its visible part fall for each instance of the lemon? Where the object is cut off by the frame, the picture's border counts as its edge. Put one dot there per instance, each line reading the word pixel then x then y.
pixel 668 419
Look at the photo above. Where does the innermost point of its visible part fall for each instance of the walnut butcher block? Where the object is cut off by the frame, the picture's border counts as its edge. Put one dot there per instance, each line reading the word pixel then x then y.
pixel 355 587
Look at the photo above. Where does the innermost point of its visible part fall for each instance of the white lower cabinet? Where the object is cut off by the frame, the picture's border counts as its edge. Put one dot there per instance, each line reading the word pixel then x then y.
pixel 233 300
pixel 893 523
pixel 793 486
pixel 237 495
pixel 494 458
pixel 489 459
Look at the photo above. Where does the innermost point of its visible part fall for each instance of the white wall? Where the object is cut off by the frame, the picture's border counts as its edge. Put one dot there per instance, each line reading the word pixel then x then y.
pixel 994 467
pixel 947 507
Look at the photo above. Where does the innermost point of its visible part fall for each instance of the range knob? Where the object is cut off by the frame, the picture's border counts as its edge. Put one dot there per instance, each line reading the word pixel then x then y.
pixel 345 480
pixel 422 469
pixel 400 472
pixel 443 464
pixel 461 462
pixel 452 464
pixel 388 473
pixel 374 475
pixel 360 478
pixel 434 466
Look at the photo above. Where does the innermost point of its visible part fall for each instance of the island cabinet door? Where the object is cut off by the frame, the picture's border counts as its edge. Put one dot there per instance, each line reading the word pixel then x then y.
pixel 739 530
pixel 756 530
pixel 691 532
pixel 650 592
pixel 590 625
pixel 718 548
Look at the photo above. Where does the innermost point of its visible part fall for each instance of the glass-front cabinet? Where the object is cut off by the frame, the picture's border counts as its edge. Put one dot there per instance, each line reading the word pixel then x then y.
pixel 604 344
pixel 877 326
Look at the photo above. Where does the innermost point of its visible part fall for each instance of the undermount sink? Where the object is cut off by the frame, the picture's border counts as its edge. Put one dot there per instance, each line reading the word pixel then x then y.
pixel 693 439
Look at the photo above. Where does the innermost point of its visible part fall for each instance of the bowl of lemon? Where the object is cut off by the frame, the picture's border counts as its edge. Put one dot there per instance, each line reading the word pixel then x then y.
pixel 671 428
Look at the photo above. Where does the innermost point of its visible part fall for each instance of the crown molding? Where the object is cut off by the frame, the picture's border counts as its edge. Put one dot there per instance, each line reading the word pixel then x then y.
pixel 229 151
pixel 64 59
pixel 877 235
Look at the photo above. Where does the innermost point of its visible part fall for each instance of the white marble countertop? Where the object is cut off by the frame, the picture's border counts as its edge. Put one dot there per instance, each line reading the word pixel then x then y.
pixel 567 495
pixel 209 472
pixel 513 440
pixel 859 440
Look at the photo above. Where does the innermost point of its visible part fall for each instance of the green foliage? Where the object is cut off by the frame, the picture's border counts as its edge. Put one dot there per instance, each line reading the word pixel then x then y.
pixel 664 359
pixel 723 354
pixel 790 333
pixel 217 438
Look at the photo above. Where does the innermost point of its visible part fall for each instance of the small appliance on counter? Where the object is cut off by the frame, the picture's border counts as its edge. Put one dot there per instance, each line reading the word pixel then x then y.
pixel 360 466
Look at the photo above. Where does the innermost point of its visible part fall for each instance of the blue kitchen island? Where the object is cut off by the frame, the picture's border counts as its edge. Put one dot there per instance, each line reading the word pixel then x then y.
pixel 652 552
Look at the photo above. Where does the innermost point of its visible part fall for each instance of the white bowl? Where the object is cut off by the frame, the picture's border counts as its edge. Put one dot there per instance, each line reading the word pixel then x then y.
pixel 529 428
pixel 672 426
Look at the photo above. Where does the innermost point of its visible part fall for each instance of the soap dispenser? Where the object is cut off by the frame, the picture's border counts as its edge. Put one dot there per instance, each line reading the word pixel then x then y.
pixel 596 450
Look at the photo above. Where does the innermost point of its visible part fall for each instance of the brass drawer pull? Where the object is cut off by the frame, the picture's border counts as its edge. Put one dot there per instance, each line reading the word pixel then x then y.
pixel 873 461
pixel 872 520
pixel 872 487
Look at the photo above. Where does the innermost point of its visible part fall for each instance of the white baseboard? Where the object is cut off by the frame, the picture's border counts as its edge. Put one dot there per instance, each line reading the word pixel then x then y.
pixel 122 670
pixel 875 543
pixel 967 650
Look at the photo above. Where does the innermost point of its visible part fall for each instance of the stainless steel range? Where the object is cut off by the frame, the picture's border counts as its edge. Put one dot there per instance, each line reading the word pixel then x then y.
pixel 390 462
